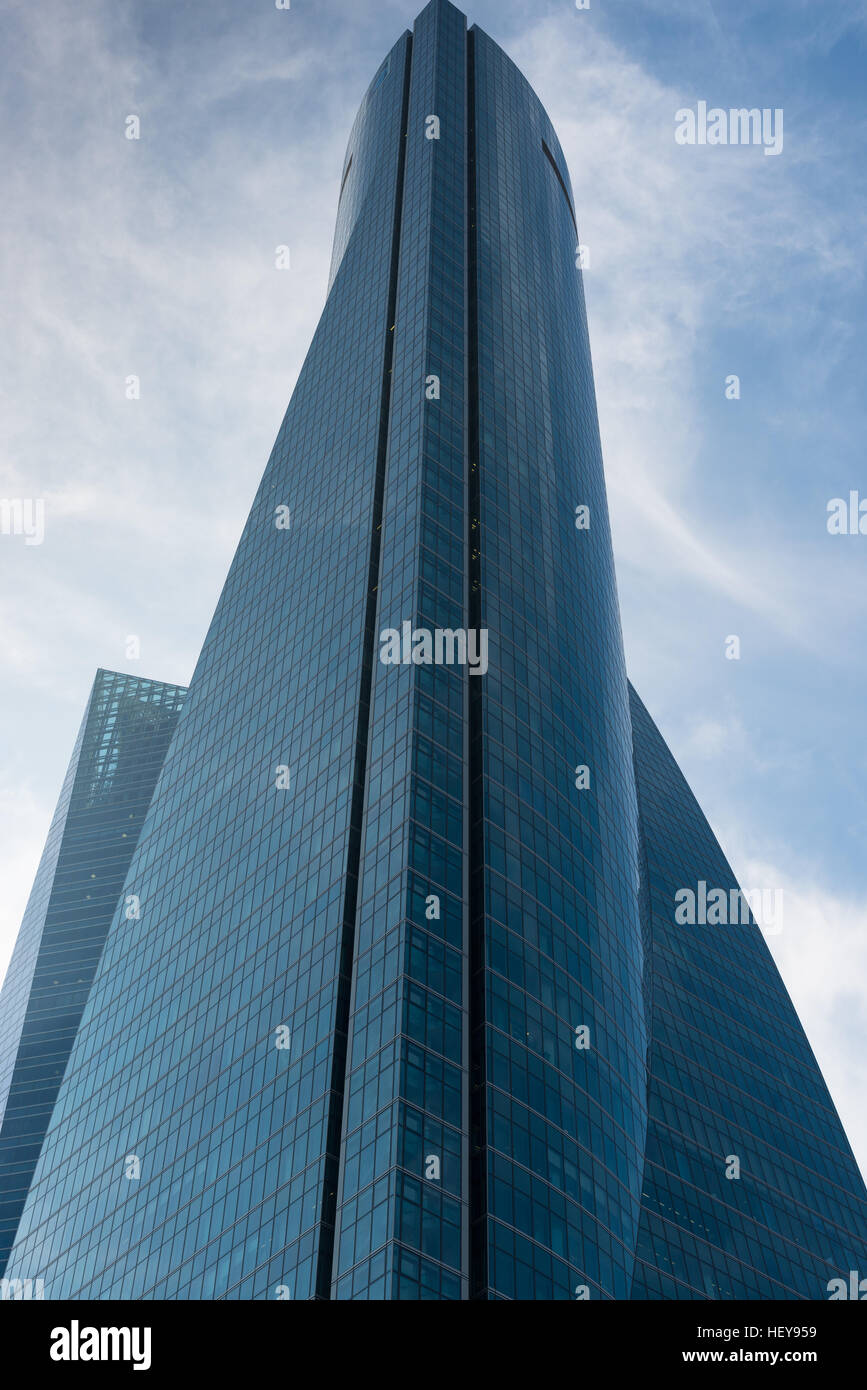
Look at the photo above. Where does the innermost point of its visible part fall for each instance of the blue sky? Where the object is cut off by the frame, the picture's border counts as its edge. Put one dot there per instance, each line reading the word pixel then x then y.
pixel 156 258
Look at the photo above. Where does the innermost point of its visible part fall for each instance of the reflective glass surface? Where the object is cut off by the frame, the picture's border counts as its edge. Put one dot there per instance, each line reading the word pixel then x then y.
pixel 117 757
pixel 406 1014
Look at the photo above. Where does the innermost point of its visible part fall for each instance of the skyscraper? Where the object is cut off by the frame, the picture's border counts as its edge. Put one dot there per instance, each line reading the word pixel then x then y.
pixel 407 1012
pixel 731 1076
pixel 124 734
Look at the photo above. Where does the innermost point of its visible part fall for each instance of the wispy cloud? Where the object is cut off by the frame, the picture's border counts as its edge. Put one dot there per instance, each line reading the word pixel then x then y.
pixel 821 954
pixel 683 247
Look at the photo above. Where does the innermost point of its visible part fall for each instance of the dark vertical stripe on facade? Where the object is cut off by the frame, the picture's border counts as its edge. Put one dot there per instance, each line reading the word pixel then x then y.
pixel 552 161
pixel 478 1185
pixel 325 1258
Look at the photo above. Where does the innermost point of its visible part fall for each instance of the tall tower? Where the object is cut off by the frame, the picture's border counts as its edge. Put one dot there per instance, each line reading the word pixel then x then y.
pixel 115 763
pixel 383 1028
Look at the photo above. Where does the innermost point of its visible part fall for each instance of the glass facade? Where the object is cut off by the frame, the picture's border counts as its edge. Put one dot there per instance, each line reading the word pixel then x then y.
pixel 121 743
pixel 406 1015
pixel 559 1128
pixel 731 1076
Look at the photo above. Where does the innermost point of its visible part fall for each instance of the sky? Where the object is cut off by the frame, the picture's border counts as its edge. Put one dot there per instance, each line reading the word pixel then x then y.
pixel 156 258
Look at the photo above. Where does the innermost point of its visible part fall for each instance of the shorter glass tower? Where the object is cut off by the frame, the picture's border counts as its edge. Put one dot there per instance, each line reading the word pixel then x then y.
pixel 120 748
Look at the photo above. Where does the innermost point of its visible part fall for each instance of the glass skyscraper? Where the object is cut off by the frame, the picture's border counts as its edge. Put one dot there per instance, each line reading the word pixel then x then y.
pixel 121 743
pixel 731 1075
pixel 408 1012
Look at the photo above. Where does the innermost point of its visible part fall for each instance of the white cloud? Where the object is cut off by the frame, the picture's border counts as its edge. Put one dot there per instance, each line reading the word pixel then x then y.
pixel 821 954
pixel 684 244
